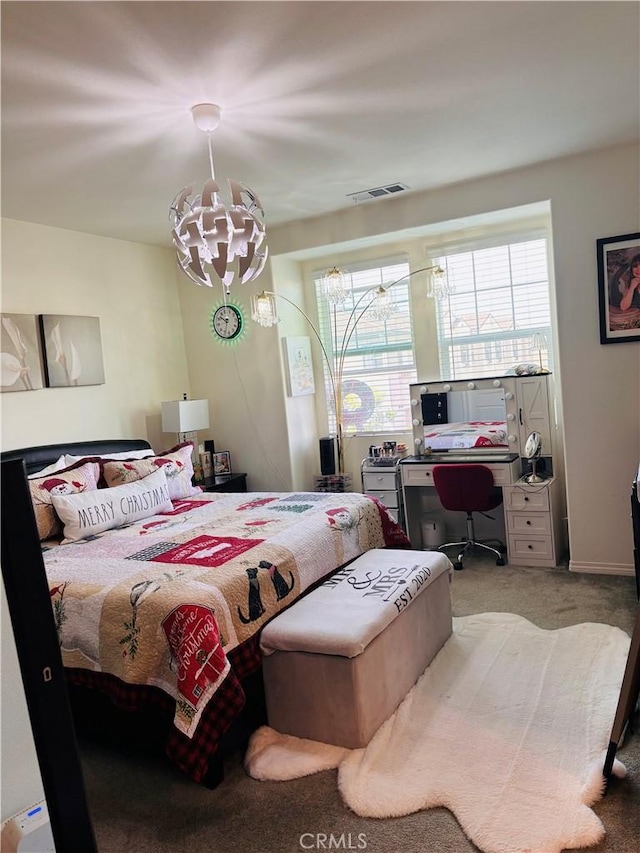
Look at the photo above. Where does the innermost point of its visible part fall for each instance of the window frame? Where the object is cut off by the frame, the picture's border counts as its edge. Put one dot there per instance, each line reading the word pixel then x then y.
pixel 368 352
pixel 440 254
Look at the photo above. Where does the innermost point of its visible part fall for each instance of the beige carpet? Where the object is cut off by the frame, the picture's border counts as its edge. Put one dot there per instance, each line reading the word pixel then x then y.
pixel 507 729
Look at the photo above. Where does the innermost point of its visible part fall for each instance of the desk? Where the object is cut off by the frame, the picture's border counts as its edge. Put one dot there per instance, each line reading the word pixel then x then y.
pixel 529 522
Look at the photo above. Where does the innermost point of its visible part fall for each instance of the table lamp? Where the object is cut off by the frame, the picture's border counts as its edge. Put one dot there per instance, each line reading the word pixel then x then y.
pixel 186 417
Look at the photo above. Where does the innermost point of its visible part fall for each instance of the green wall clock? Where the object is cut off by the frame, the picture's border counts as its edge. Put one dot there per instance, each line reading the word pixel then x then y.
pixel 227 323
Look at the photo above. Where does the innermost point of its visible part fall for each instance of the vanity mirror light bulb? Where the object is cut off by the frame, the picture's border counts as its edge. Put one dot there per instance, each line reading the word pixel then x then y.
pixel 496 383
pixel 447 387
pixel 424 389
pixel 511 438
pixel 414 402
pixel 471 385
pixel 511 417
pixel 417 442
pixel 416 422
pixel 508 395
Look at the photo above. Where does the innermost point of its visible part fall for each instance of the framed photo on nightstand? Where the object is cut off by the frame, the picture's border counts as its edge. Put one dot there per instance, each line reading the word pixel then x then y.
pixel 206 460
pixel 222 463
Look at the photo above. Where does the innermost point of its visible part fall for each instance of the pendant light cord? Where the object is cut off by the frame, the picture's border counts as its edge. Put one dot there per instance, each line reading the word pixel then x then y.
pixel 213 175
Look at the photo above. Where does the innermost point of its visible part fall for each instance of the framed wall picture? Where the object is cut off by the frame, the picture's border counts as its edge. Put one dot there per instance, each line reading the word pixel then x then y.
pixel 299 367
pixel 21 353
pixel 72 350
pixel 222 463
pixel 619 288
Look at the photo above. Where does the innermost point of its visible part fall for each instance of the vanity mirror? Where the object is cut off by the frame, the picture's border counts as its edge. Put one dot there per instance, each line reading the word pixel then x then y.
pixel 532 452
pixel 490 414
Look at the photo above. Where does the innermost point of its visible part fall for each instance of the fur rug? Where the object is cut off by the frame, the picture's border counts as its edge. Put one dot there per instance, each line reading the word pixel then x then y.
pixel 507 728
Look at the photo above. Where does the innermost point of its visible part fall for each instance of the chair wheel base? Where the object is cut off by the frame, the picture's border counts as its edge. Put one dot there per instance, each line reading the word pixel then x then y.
pixel 458 566
pixel 500 562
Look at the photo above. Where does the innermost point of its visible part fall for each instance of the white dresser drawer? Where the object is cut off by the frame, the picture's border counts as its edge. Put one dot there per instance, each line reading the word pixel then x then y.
pixel 388 499
pixel 504 473
pixel 538 523
pixel 534 548
pixel 422 475
pixel 529 499
pixel 379 481
pixel 394 514
pixel 417 475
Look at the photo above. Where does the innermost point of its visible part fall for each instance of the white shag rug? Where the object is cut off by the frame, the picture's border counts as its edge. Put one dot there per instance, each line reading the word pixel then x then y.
pixel 507 728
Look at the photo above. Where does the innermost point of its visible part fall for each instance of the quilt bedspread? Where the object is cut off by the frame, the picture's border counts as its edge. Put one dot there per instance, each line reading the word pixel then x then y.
pixel 165 602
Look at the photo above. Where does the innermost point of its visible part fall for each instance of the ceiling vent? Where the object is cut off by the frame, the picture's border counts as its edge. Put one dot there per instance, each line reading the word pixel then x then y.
pixel 377 192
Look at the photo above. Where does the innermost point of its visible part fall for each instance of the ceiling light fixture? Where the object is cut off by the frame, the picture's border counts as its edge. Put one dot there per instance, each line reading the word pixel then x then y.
pixel 215 242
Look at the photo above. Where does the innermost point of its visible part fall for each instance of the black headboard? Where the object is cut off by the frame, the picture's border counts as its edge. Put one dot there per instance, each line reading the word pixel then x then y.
pixel 36 458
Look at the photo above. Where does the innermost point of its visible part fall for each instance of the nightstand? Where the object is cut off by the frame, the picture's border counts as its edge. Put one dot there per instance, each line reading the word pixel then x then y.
pixel 226 483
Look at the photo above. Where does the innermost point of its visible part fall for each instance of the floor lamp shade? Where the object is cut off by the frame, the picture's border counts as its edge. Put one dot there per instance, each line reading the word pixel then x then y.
pixel 185 415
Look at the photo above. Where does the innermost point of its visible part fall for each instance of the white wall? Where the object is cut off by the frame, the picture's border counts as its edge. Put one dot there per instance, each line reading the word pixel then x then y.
pixel 132 289
pixel 591 196
pixel 244 383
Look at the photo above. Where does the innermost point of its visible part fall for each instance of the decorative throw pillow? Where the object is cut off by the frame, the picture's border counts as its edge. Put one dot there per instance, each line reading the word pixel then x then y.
pixel 89 513
pixel 82 477
pixel 176 464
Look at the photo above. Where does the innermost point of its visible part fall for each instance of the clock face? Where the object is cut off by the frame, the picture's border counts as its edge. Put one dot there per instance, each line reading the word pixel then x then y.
pixel 226 322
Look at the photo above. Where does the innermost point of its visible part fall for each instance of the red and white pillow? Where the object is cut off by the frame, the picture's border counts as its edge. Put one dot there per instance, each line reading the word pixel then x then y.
pixel 81 477
pixel 176 464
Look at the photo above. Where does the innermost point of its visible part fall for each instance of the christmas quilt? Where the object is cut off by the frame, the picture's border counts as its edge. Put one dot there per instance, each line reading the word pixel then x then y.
pixel 164 601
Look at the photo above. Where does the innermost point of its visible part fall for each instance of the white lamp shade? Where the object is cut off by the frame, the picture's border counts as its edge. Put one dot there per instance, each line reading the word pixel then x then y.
pixel 185 415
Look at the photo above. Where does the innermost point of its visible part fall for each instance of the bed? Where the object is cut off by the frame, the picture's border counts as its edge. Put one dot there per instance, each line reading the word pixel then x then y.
pixel 162 613
pixel 467 434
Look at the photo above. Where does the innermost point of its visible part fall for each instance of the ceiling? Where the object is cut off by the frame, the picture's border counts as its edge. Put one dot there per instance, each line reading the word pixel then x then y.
pixel 319 99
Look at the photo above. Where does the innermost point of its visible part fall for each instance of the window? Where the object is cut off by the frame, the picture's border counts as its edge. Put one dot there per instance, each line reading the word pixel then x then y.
pixel 379 362
pixel 500 301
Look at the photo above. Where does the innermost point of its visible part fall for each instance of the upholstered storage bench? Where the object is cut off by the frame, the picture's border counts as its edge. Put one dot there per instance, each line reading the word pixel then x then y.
pixel 340 660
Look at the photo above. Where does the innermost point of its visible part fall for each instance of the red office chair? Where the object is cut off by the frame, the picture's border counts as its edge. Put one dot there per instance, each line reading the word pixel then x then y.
pixel 468 488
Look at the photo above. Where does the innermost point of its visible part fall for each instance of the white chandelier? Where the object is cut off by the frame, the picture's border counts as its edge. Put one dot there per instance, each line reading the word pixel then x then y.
pixel 215 242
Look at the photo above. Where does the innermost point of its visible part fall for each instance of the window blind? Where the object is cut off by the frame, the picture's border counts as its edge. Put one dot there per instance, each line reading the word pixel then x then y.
pixel 500 301
pixel 378 357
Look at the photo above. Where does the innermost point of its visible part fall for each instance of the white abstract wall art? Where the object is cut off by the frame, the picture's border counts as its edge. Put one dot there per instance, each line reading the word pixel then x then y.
pixel 21 353
pixel 72 350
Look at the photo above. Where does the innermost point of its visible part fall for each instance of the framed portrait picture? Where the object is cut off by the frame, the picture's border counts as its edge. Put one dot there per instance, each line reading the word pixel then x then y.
pixel 222 463
pixel 619 288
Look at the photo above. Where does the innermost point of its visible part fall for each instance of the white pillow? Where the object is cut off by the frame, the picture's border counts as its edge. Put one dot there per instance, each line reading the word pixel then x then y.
pixel 58 465
pixel 89 513
pixel 127 454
